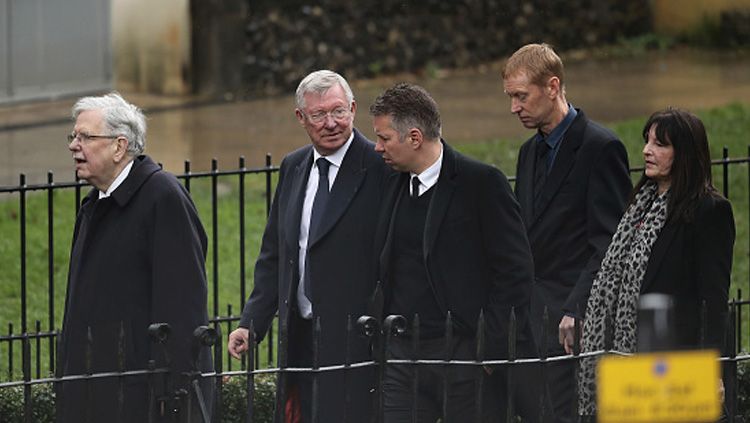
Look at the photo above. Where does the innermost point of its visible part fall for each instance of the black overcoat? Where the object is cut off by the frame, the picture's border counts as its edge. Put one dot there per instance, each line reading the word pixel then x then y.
pixel 692 262
pixel 475 250
pixel 581 203
pixel 340 258
pixel 138 258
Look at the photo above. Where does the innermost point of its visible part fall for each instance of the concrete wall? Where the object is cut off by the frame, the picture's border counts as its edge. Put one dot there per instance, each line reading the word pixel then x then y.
pixel 675 17
pixel 151 45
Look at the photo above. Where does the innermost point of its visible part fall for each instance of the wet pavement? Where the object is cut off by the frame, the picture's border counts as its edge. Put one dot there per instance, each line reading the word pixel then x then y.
pixel 473 107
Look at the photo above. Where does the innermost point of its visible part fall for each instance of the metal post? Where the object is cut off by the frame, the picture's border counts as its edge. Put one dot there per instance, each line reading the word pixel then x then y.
pixel 250 379
pixel 512 327
pixel 22 226
pixel 447 358
pixel 26 347
pixel 480 338
pixel 268 173
pixel 655 323
pixel 215 233
pixel 51 267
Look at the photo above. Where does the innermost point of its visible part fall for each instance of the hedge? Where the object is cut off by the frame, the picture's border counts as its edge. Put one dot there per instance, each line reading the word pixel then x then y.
pixel 234 400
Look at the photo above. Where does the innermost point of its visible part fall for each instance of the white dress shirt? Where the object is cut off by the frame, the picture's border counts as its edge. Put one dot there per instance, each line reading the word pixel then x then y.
pixel 118 180
pixel 305 307
pixel 429 177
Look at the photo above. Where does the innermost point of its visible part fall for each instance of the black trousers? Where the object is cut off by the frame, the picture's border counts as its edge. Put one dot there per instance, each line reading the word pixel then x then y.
pixel 561 382
pixel 452 389
pixel 301 355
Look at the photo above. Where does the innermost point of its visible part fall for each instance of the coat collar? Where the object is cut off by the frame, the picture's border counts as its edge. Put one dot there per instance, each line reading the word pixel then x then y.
pixel 143 168
pixel 441 198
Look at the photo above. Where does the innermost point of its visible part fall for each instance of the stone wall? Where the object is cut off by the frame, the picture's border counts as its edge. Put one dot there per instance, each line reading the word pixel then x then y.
pixel 287 39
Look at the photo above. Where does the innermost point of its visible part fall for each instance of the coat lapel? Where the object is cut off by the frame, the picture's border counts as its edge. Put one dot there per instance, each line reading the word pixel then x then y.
pixel 300 173
pixel 566 158
pixel 395 185
pixel 441 199
pixel 659 249
pixel 526 196
pixel 347 183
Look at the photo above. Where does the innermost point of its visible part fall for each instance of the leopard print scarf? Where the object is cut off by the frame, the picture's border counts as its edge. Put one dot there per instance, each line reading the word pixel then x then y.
pixel 617 286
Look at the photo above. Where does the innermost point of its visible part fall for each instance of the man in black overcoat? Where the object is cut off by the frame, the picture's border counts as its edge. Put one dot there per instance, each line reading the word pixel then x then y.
pixel 315 262
pixel 572 184
pixel 137 258
pixel 450 241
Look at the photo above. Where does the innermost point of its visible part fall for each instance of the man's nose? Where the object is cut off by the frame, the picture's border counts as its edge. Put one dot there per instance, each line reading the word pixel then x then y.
pixel 514 106
pixel 329 121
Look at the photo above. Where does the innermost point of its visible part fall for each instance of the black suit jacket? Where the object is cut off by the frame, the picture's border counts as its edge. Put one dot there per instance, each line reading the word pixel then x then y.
pixel 581 203
pixel 692 262
pixel 475 249
pixel 340 258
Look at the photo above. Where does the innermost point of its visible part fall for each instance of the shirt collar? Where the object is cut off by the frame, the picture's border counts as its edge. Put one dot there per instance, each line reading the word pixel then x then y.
pixel 554 137
pixel 118 180
pixel 429 176
pixel 337 157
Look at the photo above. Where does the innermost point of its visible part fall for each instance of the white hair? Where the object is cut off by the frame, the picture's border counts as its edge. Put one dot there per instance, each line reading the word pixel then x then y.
pixel 120 117
pixel 320 82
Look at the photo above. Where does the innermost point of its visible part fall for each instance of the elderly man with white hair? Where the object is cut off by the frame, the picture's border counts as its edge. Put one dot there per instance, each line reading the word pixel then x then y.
pixel 138 257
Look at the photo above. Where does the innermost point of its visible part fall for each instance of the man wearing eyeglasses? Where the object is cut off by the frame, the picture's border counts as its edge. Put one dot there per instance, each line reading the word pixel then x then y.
pixel 316 258
pixel 137 258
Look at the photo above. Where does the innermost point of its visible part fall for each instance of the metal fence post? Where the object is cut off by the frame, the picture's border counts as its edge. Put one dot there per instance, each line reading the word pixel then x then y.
pixel 50 266
pixel 446 362
pixel 512 327
pixel 27 406
pixel 22 228
pixel 415 368
pixel 480 338
pixel 250 378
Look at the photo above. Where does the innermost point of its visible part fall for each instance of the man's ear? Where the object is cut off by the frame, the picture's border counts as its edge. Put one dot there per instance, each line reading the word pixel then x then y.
pixel 121 144
pixel 416 138
pixel 553 87
pixel 300 116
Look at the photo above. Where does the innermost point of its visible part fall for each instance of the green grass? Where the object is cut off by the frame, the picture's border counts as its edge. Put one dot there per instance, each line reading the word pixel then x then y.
pixel 727 126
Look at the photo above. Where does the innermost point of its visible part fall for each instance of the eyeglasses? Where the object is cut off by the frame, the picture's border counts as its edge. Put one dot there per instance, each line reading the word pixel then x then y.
pixel 337 114
pixel 83 137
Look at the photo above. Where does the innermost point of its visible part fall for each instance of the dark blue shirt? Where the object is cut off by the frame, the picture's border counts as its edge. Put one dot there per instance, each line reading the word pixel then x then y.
pixel 554 137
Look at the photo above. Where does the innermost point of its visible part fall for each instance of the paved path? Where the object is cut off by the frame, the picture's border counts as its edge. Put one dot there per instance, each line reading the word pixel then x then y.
pixel 473 106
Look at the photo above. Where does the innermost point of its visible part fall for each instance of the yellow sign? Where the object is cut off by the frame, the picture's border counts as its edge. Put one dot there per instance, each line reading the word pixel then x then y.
pixel 659 387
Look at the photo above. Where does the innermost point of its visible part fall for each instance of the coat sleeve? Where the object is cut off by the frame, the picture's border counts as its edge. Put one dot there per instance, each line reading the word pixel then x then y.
pixel 712 244
pixel 263 303
pixel 608 189
pixel 179 287
pixel 511 265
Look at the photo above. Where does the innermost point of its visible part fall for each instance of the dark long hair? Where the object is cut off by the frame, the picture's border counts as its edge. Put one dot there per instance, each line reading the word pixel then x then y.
pixel 691 167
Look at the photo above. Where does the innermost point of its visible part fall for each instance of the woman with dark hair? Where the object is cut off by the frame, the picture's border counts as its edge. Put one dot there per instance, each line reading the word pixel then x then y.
pixel 675 238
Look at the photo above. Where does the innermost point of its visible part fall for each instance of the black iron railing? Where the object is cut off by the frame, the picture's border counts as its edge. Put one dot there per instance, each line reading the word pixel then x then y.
pixel 27 351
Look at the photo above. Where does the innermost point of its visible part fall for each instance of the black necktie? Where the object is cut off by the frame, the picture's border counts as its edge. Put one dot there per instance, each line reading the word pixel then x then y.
pixel 540 169
pixel 415 187
pixel 318 209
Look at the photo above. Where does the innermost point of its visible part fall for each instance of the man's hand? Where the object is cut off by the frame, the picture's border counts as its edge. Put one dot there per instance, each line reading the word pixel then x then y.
pixel 566 333
pixel 238 342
